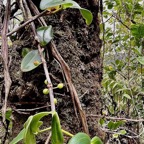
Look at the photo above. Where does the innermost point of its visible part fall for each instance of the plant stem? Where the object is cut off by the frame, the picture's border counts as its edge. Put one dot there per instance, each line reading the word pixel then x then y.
pixel 67 133
pixel 44 130
pixel 40 50
pixel 49 128
pixel 50 87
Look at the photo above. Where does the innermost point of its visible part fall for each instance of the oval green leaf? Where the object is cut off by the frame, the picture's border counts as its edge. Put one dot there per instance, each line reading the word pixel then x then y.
pixel 80 138
pixel 127 96
pixel 44 4
pixel 96 140
pixel 86 14
pixel 141 60
pixel 110 125
pixel 27 63
pixel 101 121
pixel 45 34
pixel 117 124
pixel 122 132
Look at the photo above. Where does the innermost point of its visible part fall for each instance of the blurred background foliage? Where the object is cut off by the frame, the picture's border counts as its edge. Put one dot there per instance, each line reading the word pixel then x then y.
pixel 122 31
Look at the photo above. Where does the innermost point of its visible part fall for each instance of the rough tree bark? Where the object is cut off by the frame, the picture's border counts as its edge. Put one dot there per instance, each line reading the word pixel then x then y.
pixel 80 47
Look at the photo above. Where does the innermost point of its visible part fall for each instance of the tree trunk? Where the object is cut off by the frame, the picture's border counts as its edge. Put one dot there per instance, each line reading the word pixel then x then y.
pixel 79 45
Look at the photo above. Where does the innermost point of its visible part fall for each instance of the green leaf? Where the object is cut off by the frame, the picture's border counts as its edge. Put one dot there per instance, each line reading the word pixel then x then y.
pixel 127 96
pixel 67 5
pixel 110 125
pixel 29 137
pixel 86 14
pixel 57 135
pixel 110 5
pixel 96 140
pixel 141 60
pixel 114 125
pixel 25 51
pixel 80 138
pixel 45 35
pixel 101 121
pixel 19 137
pixel 117 124
pixel 36 123
pixel 137 51
pixel 28 63
pixel 31 128
pixel 44 4
pixel 8 114
pixel 137 30
pixel 111 109
pixel 122 132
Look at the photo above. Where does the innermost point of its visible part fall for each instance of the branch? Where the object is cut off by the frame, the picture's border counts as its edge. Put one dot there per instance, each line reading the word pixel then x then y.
pixel 115 118
pixel 7 79
pixel 117 17
pixel 4 48
pixel 27 22
pixel 1 17
pixel 50 87
pixel 36 12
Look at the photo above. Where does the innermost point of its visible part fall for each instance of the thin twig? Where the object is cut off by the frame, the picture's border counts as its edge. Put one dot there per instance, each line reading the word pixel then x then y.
pixel 36 12
pixel 48 138
pixel 115 118
pixel 50 86
pixel 4 48
pixel 27 22
pixel 33 109
pixel 83 94
pixel 74 95
pixel 116 16
pixel 21 112
pixel 113 132
pixel 103 26
pixel 1 11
